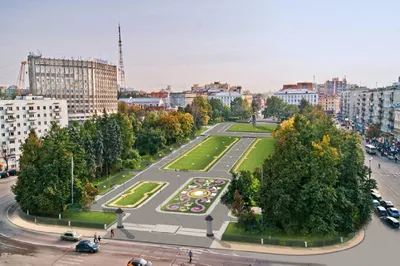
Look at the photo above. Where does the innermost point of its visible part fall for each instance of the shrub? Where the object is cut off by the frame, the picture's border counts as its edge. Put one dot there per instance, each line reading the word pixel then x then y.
pixel 130 164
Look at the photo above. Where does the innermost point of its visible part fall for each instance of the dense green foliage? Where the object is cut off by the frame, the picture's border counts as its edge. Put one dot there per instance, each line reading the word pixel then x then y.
pixel 277 108
pixel 315 183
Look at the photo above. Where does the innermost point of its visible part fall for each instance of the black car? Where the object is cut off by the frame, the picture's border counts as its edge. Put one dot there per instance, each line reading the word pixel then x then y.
pixel 387 204
pixel 87 246
pixel 392 222
pixel 139 262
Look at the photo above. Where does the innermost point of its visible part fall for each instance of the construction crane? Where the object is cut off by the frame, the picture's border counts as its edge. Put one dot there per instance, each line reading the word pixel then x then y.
pixel 21 79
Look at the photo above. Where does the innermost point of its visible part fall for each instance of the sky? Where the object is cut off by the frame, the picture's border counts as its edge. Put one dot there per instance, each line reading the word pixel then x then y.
pixel 258 44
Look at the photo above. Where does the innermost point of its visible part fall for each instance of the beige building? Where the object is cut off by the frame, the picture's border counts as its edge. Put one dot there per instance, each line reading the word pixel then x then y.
pixel 19 116
pixel 330 103
pixel 88 86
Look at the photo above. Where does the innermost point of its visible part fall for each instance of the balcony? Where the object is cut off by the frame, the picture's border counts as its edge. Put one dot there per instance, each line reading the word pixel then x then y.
pixel 9 112
pixel 32 118
pixel 12 137
pixel 380 104
pixel 11 129
pixel 57 109
pixel 10 119
pixel 33 126
pixel 57 117
pixel 9 103
pixel 32 111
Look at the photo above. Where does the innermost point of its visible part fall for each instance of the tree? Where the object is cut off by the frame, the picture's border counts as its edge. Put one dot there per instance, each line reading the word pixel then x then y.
pixel 240 108
pixel 374 130
pixel 254 106
pixel 186 122
pixel 112 146
pixel 170 125
pixel 218 109
pixel 315 182
pixel 122 108
pixel 274 107
pixel 127 134
pixel 30 150
pixel 200 109
pixel 238 203
pixel 246 184
pixel 150 141
pixel 304 105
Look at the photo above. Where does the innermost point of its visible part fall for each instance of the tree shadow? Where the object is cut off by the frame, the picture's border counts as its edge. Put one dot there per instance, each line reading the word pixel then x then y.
pixel 221 242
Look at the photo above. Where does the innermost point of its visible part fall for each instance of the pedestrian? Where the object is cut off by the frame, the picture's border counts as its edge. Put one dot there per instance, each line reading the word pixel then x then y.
pixel 95 238
pixel 112 232
pixel 190 256
pixel 379 165
pixel 99 238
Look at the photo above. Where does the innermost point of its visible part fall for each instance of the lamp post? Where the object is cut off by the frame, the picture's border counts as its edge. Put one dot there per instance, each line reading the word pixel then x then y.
pixel 177 184
pixel 72 179
pixel 370 170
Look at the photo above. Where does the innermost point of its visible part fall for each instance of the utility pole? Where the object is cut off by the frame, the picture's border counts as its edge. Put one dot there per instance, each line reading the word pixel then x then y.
pixel 262 181
pixel 72 179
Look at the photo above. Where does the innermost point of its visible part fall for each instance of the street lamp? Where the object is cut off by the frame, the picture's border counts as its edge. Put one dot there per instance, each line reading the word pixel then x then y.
pixel 370 170
pixel 177 181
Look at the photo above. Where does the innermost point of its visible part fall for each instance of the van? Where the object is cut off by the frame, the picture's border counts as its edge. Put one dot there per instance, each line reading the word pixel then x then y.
pixel 381 211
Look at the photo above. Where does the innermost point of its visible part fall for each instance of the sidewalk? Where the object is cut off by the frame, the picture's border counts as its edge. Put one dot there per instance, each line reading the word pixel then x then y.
pixel 19 222
pixel 282 250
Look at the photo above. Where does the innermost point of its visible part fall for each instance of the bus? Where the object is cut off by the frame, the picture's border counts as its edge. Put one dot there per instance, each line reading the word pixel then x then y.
pixel 370 149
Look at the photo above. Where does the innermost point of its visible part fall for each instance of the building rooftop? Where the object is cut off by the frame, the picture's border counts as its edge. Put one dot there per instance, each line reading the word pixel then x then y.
pixel 139 100
pixel 295 91
pixel 227 94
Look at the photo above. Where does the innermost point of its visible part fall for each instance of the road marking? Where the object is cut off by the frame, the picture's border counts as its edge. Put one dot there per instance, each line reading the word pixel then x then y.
pixel 8 245
pixel 394 191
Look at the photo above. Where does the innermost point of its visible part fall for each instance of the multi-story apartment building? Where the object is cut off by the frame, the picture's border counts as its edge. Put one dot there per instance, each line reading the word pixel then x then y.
pixel 349 103
pixel 396 126
pixel 376 106
pixel 335 86
pixel 330 103
pixel 18 117
pixel 294 96
pixel 89 87
pixel 181 99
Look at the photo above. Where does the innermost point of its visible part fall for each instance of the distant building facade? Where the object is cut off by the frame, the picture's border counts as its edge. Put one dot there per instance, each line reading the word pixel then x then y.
pixel 226 97
pixel 144 103
pixel 330 103
pixel 181 99
pixel 88 86
pixel 18 117
pixel 294 96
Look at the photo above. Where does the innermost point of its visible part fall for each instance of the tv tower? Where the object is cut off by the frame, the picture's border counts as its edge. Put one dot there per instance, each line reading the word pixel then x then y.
pixel 121 62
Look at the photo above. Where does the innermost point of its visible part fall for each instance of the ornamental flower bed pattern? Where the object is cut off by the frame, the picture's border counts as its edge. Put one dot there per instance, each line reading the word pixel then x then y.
pixel 197 196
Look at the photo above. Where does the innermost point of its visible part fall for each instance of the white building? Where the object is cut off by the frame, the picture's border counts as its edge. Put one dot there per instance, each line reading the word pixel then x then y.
pixel 226 97
pixel 88 86
pixel 294 96
pixel 18 117
pixel 143 103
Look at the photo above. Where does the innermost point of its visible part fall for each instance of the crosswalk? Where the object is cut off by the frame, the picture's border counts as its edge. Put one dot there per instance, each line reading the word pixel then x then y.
pixel 389 174
pixel 70 260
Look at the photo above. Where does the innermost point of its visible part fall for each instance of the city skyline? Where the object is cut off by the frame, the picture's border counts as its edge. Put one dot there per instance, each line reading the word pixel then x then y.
pixel 260 46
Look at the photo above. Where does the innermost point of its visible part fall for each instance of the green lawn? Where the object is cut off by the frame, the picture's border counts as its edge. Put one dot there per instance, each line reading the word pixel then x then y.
pixel 234 233
pixel 251 128
pixel 137 193
pixel 94 217
pixel 104 185
pixel 255 155
pixel 203 156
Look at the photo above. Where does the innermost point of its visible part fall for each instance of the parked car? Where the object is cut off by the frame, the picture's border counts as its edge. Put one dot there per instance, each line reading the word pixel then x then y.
pixel 12 172
pixel 381 211
pixel 394 212
pixel 387 204
pixel 392 222
pixel 139 262
pixel 87 246
pixel 376 203
pixel 4 175
pixel 376 196
pixel 71 236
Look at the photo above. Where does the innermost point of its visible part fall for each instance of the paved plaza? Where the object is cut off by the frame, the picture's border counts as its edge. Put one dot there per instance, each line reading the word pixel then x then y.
pixel 149 223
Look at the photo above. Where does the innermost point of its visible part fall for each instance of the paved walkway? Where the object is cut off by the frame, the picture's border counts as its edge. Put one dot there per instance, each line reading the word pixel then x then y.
pixel 18 221
pixel 280 250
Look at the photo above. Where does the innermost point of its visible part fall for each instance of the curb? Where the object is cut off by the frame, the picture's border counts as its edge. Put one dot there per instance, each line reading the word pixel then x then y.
pixel 38 231
pixel 37 244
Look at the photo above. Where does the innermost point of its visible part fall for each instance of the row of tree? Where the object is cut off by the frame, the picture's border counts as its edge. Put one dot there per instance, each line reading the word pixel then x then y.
pixel 315 183
pixel 277 108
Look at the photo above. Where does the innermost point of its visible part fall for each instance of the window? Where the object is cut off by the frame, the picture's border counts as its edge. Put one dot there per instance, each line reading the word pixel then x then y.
pixel 19 133
pixel 40 123
pixel 45 115
pixel 1 108
pixel 19 141
pixel 2 126
pixel 12 141
pixel 2 117
pixel 40 131
pixel 17 116
pixel 24 116
pixel 38 107
pixel 4 134
pixel 12 150
pixel 44 107
pixel 24 124
pixel 25 132
pixel 17 108
pixel 18 125
pixel 38 115
pixel 50 107
pixel 45 122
